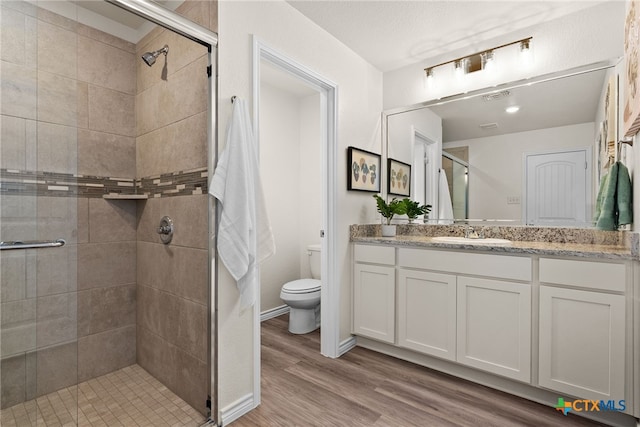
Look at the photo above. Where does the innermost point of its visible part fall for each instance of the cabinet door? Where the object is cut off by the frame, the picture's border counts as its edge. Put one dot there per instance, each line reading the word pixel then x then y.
pixel 494 327
pixel 582 343
pixel 427 312
pixel 374 302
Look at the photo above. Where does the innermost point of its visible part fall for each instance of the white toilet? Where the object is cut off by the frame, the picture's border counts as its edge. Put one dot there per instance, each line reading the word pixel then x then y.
pixel 303 297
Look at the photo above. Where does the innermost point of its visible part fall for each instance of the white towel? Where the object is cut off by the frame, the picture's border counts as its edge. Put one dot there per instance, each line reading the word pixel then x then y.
pixel 445 208
pixel 244 233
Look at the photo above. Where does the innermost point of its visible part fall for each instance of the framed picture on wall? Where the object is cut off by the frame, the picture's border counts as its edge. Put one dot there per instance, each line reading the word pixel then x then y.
pixel 631 107
pixel 398 178
pixel 611 116
pixel 363 170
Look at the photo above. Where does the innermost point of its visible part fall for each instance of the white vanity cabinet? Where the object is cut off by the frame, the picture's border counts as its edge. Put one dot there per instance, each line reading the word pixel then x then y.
pixel 427 312
pixel 480 322
pixel 494 326
pixel 374 292
pixel 582 332
pixel 555 325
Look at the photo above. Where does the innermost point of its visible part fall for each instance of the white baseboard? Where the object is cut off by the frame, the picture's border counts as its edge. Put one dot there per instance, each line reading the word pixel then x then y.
pixel 274 312
pixel 346 345
pixel 237 409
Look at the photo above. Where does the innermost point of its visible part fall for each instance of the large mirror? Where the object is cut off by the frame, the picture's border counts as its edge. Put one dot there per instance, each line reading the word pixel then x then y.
pixel 538 163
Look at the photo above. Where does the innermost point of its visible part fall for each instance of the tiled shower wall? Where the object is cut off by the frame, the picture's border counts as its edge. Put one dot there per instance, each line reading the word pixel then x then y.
pixel 68 94
pixel 171 111
pixel 80 106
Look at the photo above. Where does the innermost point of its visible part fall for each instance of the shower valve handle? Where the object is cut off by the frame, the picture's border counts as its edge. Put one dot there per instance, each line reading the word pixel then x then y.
pixel 165 229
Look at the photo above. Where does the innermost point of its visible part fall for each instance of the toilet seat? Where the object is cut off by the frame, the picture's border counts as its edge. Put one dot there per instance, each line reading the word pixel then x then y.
pixel 302 286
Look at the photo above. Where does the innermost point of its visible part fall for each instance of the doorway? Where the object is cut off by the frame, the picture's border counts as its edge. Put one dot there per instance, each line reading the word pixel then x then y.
pixel 330 292
pixel 557 188
pixel 426 164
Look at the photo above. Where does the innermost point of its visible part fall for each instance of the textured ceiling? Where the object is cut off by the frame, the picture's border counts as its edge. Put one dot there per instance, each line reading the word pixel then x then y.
pixel 393 34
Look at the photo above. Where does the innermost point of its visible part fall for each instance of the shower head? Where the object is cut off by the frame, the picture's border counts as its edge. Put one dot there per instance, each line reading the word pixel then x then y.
pixel 150 57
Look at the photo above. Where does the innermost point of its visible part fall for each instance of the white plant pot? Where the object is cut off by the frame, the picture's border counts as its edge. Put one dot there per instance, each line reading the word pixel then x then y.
pixel 388 230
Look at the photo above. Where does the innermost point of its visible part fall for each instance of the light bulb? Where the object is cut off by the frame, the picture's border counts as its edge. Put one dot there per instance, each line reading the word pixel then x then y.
pixel 526 53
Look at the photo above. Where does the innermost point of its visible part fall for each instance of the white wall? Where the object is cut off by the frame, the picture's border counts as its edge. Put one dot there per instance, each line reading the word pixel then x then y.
pixel 399 131
pixel 310 180
pixel 400 134
pixel 280 170
pixel 359 106
pixel 495 165
pixel 591 35
pixel 291 170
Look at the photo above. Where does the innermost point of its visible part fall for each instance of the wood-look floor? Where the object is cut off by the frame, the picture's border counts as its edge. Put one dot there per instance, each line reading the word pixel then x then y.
pixel 300 387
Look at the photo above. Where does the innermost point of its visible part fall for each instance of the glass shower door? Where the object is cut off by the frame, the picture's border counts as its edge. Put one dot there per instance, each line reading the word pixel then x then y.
pixel 38 217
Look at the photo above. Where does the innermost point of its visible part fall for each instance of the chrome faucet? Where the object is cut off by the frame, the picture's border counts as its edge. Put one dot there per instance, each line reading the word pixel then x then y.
pixel 471 233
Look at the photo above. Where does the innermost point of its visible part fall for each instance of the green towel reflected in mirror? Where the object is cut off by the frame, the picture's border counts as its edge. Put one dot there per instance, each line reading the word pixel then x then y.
pixel 614 201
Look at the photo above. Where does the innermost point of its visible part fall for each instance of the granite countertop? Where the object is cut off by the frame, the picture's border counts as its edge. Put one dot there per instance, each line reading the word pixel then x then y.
pixel 567 242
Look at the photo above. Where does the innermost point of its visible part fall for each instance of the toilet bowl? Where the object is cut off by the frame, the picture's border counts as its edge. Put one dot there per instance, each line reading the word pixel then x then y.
pixel 303 297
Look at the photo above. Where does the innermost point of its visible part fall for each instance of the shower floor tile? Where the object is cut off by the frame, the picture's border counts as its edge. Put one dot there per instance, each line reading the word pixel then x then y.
pixel 126 397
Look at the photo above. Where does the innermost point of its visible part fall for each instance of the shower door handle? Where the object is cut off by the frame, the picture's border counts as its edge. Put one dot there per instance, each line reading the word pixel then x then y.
pixel 32 244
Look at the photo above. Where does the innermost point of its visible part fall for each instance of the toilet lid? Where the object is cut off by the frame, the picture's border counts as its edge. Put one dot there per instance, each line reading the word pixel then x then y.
pixel 302 286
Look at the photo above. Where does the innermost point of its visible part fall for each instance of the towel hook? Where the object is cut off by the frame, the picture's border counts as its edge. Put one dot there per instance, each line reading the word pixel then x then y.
pixel 626 140
pixel 233 99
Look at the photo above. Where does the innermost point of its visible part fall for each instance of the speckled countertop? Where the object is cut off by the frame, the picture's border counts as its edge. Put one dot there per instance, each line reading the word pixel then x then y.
pixel 570 242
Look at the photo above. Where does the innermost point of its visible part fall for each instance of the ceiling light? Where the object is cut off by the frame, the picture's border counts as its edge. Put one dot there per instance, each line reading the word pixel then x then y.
pixel 483 60
pixel 512 109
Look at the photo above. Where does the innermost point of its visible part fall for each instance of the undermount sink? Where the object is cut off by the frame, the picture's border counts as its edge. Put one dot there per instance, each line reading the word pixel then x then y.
pixel 467 241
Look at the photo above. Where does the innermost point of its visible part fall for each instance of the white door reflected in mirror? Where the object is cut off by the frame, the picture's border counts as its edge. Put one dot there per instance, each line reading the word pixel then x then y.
pixel 557 188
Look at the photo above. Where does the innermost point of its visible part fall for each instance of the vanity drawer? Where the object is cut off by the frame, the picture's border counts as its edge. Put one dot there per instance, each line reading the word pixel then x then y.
pixel 502 266
pixel 375 254
pixel 586 274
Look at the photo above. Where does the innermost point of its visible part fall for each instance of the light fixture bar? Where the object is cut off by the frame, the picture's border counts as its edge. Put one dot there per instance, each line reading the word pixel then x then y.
pixel 524 44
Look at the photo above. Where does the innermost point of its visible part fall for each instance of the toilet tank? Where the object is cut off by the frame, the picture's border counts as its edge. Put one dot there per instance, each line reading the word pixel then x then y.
pixel 314 260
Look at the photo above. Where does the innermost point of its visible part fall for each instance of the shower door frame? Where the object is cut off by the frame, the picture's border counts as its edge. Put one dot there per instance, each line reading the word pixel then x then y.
pixel 199 34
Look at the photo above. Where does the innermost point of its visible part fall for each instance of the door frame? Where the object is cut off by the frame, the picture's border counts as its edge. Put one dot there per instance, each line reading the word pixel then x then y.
pixel 588 153
pixel 330 293
pixel 430 147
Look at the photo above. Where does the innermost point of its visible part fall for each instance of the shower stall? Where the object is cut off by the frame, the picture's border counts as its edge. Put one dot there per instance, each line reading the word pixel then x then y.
pixel 457 171
pixel 102 321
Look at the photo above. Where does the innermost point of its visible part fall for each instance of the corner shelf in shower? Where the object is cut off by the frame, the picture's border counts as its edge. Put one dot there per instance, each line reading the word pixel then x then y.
pixel 125 196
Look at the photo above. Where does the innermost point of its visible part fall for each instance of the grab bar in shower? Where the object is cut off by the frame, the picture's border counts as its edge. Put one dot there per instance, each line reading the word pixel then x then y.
pixel 32 244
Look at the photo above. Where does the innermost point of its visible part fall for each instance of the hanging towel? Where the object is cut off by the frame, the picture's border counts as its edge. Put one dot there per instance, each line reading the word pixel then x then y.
pixel 614 203
pixel 624 199
pixel 244 232
pixel 600 197
pixel 445 208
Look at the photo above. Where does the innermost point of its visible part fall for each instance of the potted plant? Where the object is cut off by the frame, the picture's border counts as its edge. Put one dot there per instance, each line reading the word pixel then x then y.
pixel 388 210
pixel 414 209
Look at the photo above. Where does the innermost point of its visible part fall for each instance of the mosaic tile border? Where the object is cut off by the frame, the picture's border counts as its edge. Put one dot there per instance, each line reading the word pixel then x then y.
pixel 181 183
pixel 174 183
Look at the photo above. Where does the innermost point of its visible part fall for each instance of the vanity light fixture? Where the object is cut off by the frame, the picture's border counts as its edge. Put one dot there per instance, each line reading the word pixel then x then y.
pixel 512 109
pixel 480 61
